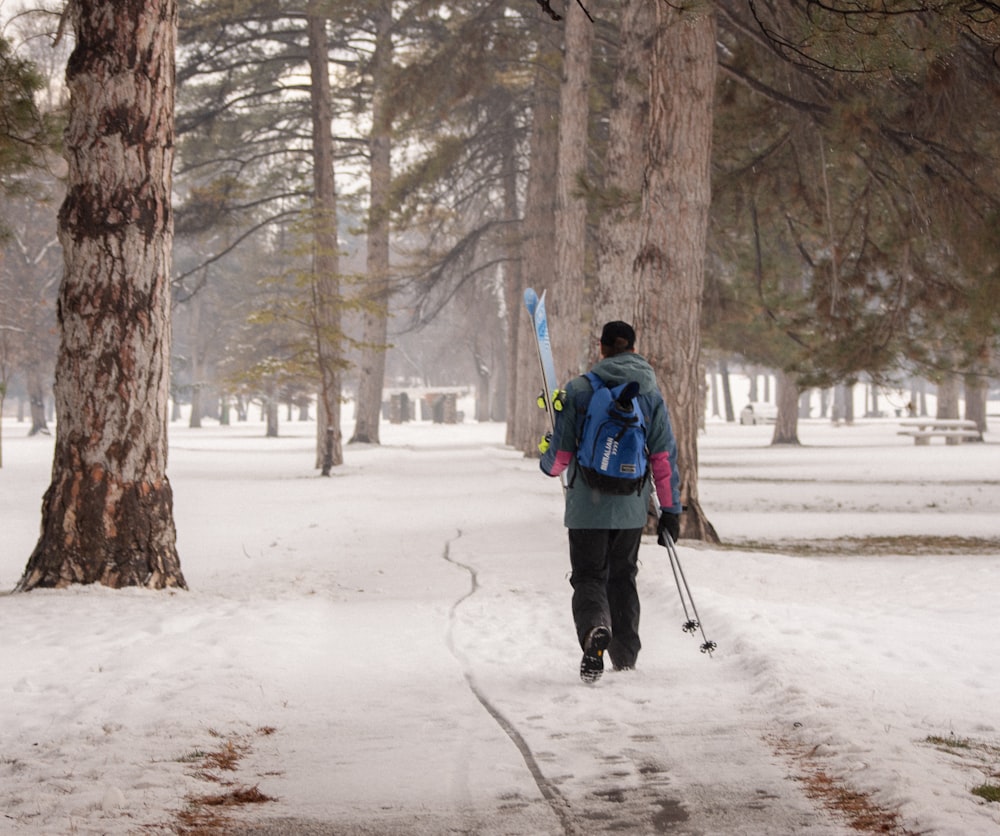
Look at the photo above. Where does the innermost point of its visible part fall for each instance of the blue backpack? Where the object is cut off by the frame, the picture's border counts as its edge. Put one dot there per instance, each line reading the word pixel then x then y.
pixel 612 453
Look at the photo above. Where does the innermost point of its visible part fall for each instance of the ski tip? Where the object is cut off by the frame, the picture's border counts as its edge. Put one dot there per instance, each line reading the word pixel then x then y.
pixel 531 302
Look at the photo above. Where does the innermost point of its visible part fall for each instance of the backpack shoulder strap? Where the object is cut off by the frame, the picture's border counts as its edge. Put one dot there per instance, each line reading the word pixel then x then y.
pixel 595 381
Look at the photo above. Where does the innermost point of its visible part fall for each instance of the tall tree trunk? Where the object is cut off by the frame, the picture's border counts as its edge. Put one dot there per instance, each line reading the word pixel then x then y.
pixel 326 259
pixel 727 391
pixel 513 281
pixel 539 233
pixel 948 389
pixel 271 416
pixel 36 399
pixel 565 303
pixel 107 516
pixel 617 291
pixel 786 427
pixel 376 294
pixel 484 368
pixel 197 365
pixel 839 411
pixel 976 392
pixel 671 257
pixel 949 392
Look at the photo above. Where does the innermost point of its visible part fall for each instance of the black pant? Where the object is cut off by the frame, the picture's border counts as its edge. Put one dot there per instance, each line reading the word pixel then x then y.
pixel 604 590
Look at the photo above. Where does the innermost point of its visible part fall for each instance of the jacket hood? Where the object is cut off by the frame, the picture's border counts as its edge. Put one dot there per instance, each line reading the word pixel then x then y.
pixel 625 367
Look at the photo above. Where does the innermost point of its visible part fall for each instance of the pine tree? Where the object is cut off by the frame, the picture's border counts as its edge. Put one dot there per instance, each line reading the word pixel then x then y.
pixel 377 286
pixel 670 257
pixel 107 515
pixel 853 177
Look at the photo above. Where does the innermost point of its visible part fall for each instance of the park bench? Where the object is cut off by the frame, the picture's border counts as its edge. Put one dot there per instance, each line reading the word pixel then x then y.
pixel 952 430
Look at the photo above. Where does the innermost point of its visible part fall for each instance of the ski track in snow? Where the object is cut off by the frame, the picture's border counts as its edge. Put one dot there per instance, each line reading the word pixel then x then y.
pixel 622 738
pixel 548 790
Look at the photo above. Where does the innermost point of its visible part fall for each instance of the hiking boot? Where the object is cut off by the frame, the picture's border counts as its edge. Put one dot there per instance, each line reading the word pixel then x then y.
pixel 592 664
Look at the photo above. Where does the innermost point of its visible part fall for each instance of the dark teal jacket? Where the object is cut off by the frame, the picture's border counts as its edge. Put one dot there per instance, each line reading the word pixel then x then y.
pixel 589 508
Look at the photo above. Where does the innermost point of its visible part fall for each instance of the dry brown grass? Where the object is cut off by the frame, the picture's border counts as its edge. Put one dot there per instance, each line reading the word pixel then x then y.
pixel 858 809
pixel 904 545
pixel 208 815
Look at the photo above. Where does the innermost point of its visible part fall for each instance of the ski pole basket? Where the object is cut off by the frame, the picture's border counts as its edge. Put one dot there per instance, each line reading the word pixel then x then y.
pixel 692 622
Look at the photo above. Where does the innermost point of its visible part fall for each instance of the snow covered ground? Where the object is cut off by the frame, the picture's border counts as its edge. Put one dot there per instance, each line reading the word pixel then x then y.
pixel 391 651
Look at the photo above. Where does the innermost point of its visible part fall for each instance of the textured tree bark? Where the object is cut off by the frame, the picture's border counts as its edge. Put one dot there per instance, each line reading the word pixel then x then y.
pixel 513 286
pixel 948 389
pixel 565 304
pixel 976 393
pixel 376 292
pixel 197 364
pixel 674 224
pixel 107 516
pixel 326 306
pixel 786 427
pixel 538 257
pixel 617 292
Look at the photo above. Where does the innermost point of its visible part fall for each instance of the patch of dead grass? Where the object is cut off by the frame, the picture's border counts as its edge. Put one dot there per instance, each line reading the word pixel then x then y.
pixel 858 809
pixel 903 545
pixel 208 815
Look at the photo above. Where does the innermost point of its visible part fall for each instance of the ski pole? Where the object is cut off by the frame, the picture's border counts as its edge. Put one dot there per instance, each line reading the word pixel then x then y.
pixel 690 624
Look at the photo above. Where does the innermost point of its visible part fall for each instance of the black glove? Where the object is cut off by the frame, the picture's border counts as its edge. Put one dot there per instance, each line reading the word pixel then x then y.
pixel 668 524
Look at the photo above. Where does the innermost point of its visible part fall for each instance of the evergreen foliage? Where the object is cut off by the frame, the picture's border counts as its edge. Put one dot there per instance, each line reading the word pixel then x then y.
pixel 26 133
pixel 855 190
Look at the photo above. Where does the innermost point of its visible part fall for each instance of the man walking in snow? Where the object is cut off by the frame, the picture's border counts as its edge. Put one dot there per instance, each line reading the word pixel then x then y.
pixel 605 529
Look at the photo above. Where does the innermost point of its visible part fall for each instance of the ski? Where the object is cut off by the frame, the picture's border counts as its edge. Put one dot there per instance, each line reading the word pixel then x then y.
pixel 531 302
pixel 535 305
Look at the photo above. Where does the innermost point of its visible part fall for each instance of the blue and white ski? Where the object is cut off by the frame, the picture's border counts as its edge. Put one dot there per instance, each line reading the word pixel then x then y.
pixel 540 324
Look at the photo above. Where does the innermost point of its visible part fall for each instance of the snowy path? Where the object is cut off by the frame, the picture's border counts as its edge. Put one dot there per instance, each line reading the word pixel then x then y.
pixel 635 753
pixel 393 646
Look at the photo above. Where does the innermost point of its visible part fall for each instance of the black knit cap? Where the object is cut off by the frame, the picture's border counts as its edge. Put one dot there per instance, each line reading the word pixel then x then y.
pixel 618 335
